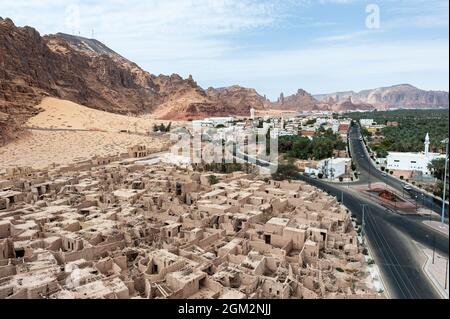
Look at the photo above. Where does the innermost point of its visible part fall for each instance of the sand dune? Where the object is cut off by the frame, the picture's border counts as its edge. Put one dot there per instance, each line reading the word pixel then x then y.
pixel 61 114
pixel 98 135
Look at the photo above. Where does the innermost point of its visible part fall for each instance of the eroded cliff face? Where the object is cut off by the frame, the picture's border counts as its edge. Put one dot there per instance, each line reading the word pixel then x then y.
pixel 397 96
pixel 304 101
pixel 301 101
pixel 87 72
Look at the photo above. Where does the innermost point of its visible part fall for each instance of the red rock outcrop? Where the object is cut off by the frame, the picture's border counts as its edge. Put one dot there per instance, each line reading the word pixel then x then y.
pixel 87 72
pixel 397 96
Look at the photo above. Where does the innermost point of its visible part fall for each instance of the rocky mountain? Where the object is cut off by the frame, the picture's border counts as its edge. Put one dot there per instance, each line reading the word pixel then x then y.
pixel 347 104
pixel 304 101
pixel 398 96
pixel 87 72
pixel 300 101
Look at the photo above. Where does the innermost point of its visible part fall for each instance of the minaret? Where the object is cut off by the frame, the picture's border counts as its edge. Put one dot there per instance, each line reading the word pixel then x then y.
pixel 427 145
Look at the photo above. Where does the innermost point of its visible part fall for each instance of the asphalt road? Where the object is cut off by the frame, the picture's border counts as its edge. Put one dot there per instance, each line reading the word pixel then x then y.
pixel 391 237
pixel 370 173
pixel 392 240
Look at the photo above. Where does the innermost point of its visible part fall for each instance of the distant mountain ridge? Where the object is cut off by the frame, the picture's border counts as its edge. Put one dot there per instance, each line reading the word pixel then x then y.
pixel 303 101
pixel 397 96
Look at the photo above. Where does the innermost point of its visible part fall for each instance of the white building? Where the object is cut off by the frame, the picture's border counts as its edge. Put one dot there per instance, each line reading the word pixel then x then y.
pixel 213 122
pixel 367 122
pixel 412 161
pixel 252 113
pixel 330 168
pixel 275 133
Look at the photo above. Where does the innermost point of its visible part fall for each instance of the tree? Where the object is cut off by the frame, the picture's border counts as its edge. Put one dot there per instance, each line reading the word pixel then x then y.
pixel 320 175
pixel 285 172
pixel 341 179
pixel 437 166
pixel 212 179
pixel 439 188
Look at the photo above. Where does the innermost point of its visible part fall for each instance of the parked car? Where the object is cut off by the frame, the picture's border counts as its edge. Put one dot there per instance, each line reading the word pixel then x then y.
pixel 407 187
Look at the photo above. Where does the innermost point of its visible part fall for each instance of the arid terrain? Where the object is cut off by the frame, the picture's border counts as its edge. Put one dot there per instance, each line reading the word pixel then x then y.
pixel 87 72
pixel 66 132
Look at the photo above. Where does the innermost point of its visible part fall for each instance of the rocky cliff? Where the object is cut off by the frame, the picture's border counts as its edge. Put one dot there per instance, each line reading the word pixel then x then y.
pixel 304 101
pixel 300 101
pixel 87 72
pixel 398 96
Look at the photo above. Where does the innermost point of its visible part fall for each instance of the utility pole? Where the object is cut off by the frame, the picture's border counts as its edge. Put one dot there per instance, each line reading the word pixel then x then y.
pixel 445 180
pixel 446 275
pixel 417 203
pixel 434 246
pixel 363 224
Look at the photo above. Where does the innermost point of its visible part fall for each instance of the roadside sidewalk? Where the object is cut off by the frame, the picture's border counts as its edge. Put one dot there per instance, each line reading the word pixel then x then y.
pixel 437 226
pixel 437 272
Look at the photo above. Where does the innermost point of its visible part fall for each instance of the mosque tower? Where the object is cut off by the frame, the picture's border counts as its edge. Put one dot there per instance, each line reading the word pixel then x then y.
pixel 427 145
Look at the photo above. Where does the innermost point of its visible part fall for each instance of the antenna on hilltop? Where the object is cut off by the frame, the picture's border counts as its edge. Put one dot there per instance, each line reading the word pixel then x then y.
pixel 92 35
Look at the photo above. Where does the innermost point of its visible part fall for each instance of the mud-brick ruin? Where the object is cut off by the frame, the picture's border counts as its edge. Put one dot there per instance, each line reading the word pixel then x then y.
pixel 114 228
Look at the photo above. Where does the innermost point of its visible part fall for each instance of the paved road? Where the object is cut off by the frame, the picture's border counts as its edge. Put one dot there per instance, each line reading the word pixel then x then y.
pixel 390 236
pixel 369 172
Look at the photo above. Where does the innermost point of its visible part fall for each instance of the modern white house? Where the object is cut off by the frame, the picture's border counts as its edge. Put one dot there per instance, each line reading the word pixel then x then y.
pixel 407 161
pixel 213 121
pixel 252 113
pixel 330 168
pixel 366 122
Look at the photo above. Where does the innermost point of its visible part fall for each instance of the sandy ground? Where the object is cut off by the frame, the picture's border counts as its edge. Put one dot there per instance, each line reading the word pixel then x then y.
pixel 40 148
pixel 60 114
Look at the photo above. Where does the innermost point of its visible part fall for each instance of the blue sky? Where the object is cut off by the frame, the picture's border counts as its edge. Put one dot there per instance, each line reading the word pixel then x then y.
pixel 272 45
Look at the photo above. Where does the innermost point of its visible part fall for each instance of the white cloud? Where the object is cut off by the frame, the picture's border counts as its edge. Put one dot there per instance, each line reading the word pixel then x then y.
pixel 335 67
pixel 202 37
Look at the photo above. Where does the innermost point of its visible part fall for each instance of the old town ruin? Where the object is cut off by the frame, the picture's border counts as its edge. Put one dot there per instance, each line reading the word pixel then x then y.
pixel 142 228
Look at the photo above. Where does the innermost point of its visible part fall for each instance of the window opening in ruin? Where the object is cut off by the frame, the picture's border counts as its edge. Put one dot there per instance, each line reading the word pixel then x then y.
pixel 20 253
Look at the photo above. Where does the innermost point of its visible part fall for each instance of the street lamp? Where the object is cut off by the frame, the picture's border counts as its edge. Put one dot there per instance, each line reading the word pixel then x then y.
pixel 434 244
pixel 445 180
pixel 446 272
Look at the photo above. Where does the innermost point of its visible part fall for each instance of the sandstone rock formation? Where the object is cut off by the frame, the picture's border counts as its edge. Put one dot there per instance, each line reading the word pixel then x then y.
pixel 87 72
pixel 398 96
pixel 348 104
pixel 303 101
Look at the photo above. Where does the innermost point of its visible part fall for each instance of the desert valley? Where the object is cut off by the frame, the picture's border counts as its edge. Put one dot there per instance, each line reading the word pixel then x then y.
pixel 38 71
pixel 98 200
